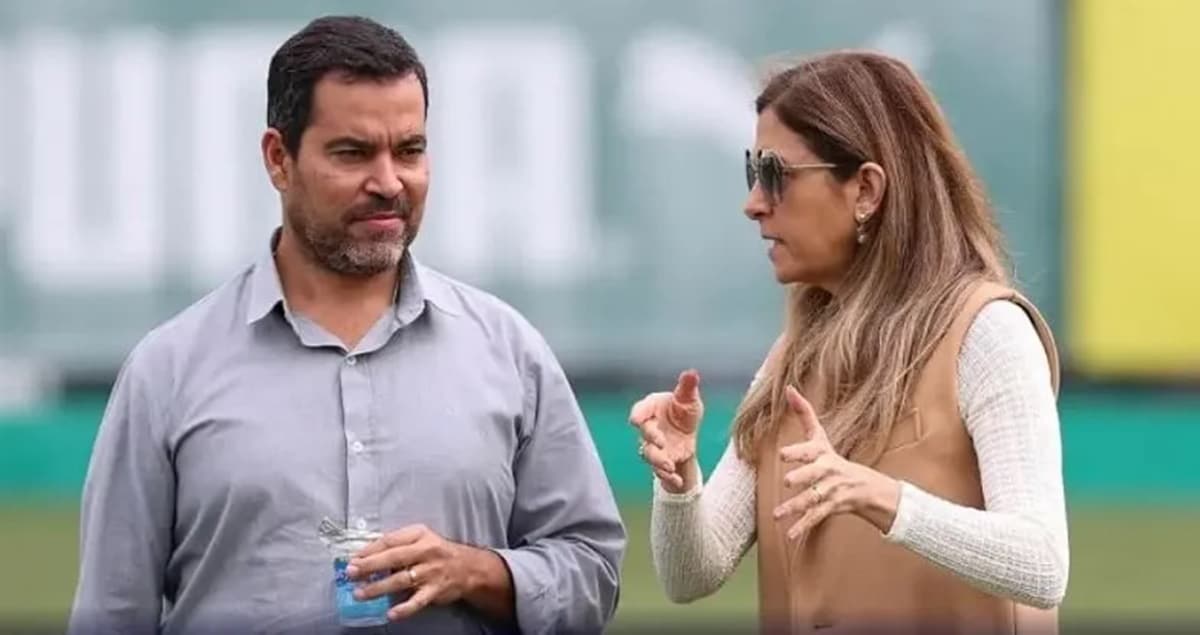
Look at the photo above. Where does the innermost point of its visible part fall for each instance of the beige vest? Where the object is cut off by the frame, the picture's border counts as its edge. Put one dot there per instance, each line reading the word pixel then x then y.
pixel 845 577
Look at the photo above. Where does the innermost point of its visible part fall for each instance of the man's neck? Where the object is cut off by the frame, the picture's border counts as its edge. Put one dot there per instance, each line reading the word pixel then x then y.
pixel 347 306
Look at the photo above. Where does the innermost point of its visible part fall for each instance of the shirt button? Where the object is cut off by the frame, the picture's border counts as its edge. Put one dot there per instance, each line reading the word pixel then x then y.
pixel 360 524
pixel 357 446
pixel 351 360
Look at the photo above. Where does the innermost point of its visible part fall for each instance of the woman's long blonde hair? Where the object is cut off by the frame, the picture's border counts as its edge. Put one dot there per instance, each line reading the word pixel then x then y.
pixel 932 237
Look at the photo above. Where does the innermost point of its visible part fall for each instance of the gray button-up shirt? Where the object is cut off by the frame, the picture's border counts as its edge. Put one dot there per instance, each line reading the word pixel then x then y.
pixel 234 427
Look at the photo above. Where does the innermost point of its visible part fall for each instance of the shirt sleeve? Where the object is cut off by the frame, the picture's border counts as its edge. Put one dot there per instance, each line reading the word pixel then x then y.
pixel 1017 546
pixel 698 538
pixel 566 537
pixel 127 510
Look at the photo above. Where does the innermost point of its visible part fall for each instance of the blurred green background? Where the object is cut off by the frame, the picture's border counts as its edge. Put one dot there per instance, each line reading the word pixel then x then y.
pixel 586 160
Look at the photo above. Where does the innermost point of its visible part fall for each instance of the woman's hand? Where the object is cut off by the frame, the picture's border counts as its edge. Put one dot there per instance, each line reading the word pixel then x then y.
pixel 668 422
pixel 829 484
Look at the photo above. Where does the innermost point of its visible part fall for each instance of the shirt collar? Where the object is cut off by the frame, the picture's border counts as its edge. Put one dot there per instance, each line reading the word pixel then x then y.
pixel 419 286
pixel 265 289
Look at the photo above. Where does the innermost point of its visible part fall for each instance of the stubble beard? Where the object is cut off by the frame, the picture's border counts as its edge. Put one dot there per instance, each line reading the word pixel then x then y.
pixel 333 247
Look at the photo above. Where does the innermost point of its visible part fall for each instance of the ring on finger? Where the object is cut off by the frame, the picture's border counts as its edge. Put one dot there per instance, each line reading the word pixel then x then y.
pixel 817 490
pixel 412 577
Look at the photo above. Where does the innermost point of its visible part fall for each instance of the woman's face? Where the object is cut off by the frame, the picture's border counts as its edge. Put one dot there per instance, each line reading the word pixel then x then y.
pixel 808 218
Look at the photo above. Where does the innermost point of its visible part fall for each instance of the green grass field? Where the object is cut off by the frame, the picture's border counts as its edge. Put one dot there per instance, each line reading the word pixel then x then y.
pixel 1128 564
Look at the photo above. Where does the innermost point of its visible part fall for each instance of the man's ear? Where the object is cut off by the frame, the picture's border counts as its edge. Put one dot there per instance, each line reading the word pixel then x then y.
pixel 276 159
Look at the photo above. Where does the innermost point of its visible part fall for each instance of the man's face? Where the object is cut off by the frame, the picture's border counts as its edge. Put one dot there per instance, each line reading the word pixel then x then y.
pixel 354 194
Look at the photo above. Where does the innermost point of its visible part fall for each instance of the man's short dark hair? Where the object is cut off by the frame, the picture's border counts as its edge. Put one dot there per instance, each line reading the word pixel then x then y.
pixel 357 46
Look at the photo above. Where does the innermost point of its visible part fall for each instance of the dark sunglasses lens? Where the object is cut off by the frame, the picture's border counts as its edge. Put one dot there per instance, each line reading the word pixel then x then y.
pixel 769 173
pixel 749 171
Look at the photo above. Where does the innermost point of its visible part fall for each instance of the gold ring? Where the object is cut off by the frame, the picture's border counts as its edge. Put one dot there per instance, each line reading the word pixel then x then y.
pixel 412 578
pixel 816 490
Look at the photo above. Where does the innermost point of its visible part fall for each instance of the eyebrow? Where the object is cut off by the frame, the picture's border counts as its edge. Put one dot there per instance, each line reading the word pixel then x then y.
pixel 417 140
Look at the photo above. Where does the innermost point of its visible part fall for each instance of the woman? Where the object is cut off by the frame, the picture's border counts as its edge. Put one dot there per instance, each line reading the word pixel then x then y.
pixel 897 457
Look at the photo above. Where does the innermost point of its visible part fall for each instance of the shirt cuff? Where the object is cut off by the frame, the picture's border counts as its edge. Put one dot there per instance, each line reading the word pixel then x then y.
pixel 906 511
pixel 533 612
pixel 671 498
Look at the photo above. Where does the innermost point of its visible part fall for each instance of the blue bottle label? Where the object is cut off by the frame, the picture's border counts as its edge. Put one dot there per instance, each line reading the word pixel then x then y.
pixel 351 610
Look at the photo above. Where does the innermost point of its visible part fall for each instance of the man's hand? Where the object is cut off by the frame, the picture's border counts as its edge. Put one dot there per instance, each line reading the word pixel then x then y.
pixel 436 571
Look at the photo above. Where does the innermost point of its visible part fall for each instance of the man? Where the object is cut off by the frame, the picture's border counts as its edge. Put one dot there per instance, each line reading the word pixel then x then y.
pixel 340 378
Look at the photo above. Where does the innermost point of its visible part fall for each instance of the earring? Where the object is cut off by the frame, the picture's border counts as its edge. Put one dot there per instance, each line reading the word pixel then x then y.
pixel 860 231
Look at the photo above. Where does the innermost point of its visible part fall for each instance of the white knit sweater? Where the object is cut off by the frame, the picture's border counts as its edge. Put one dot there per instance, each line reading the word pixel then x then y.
pixel 1016 547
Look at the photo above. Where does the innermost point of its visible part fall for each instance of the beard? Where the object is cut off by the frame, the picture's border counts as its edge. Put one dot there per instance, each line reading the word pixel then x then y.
pixel 366 252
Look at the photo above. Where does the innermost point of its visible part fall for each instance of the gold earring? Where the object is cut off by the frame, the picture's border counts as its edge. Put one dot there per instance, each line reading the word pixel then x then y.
pixel 860 231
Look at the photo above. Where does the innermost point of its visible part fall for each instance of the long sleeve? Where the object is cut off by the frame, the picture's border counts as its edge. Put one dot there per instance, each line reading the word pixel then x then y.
pixel 566 537
pixel 1018 546
pixel 697 538
pixel 127 510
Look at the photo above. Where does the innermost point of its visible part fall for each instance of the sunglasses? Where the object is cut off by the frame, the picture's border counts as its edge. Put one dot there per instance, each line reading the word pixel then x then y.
pixel 768 169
